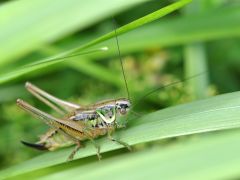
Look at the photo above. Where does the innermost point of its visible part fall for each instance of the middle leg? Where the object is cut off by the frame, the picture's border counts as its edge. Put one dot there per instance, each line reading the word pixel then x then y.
pixel 110 137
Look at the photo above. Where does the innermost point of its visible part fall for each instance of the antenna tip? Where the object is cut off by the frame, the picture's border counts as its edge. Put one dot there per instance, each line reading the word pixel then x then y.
pixel 104 48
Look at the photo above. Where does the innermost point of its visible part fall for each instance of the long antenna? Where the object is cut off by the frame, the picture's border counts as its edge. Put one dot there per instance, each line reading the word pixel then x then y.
pixel 120 57
pixel 168 85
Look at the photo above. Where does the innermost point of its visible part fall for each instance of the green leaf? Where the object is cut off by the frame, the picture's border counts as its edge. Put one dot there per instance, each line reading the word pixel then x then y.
pixel 137 23
pixel 146 19
pixel 216 113
pixel 39 65
pixel 214 156
pixel 177 31
pixel 49 21
pixel 184 29
pixel 195 61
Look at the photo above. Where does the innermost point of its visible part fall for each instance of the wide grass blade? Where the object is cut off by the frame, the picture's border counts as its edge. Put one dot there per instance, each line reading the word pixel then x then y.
pixel 214 156
pixel 216 113
pixel 146 19
pixel 21 33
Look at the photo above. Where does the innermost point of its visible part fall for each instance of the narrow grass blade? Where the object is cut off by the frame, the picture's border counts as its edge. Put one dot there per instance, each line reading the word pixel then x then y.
pixel 182 30
pixel 41 64
pixel 137 23
pixel 98 72
pixel 195 61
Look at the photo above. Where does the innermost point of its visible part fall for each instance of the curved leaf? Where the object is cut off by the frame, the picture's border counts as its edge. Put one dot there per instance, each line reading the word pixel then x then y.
pixel 139 22
pixel 214 156
pixel 216 113
pixel 21 33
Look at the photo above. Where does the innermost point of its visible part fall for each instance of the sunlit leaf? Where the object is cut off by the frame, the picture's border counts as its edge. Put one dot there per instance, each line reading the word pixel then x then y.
pixel 139 22
pixel 216 113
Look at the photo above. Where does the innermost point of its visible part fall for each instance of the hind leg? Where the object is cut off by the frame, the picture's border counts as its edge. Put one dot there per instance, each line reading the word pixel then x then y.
pixel 51 140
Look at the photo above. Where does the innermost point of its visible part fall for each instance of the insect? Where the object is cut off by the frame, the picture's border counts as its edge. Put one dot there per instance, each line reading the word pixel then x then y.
pixel 78 123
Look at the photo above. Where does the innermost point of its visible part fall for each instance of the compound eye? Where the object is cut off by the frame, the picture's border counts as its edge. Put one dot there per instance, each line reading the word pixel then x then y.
pixel 123 111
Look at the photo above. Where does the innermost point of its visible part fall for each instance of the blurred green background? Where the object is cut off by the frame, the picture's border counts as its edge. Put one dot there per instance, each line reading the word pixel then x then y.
pixel 198 43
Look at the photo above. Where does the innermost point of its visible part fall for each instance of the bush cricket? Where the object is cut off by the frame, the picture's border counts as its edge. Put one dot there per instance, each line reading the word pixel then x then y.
pixel 78 122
